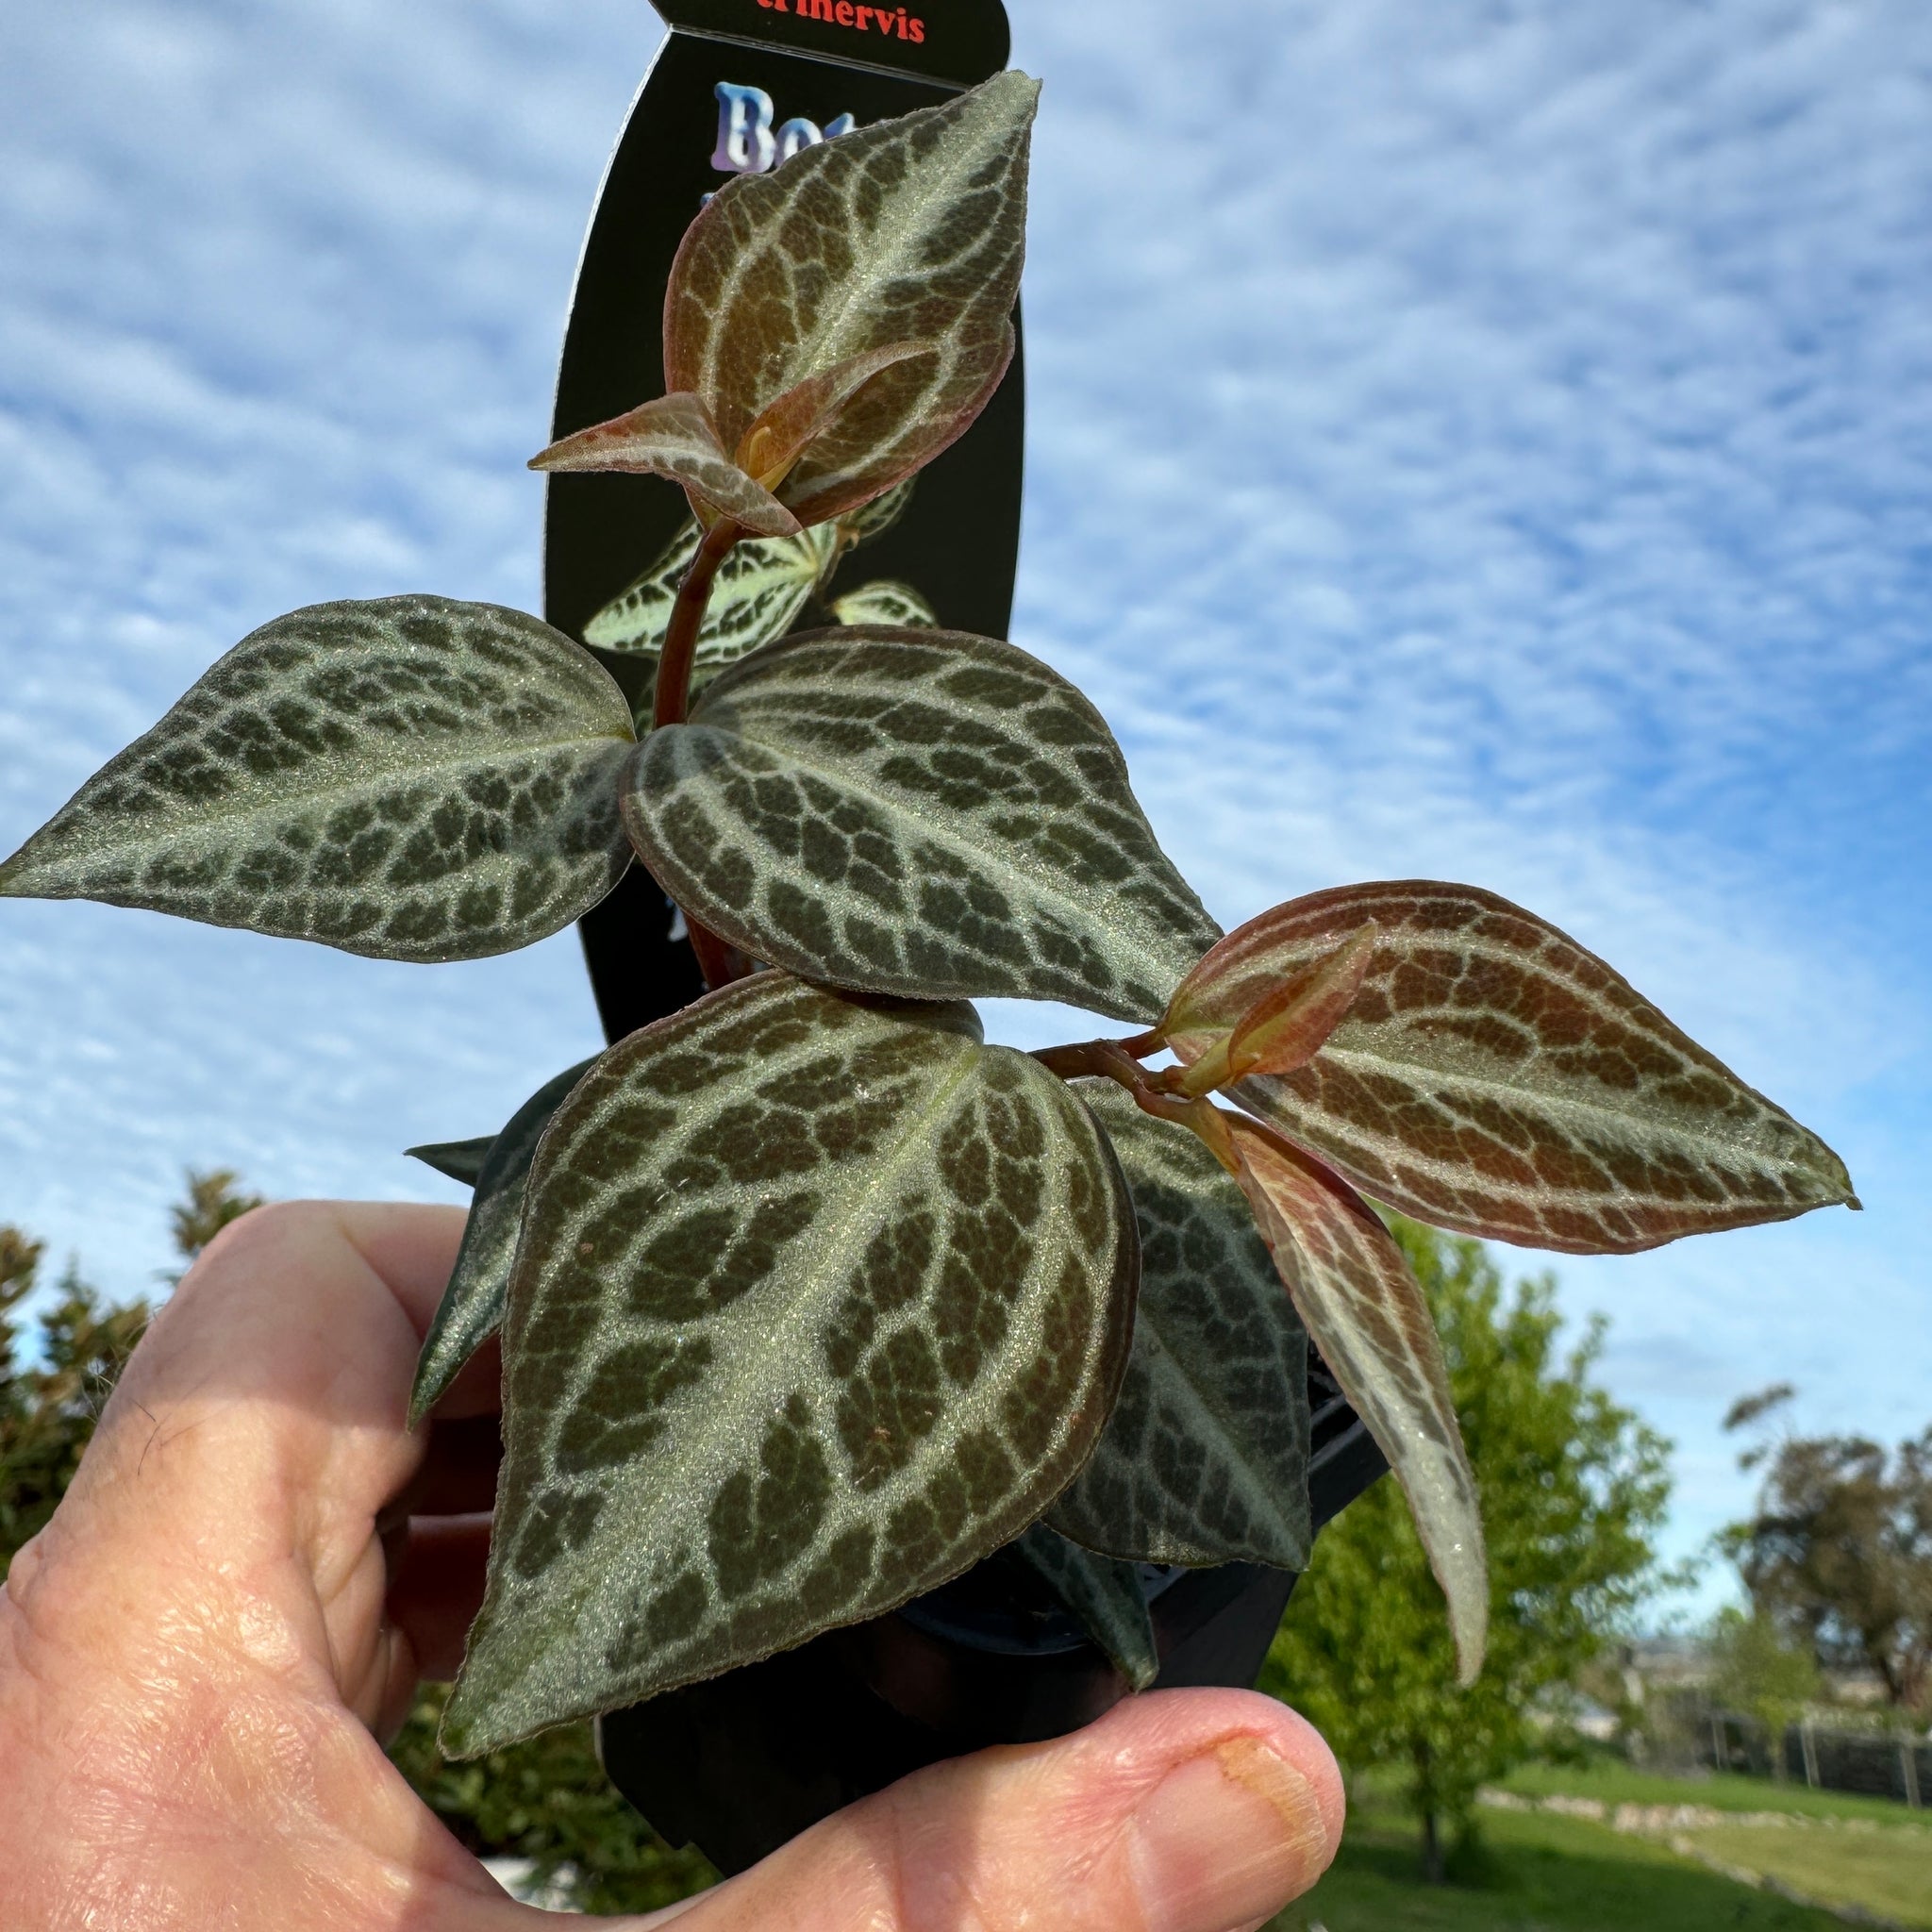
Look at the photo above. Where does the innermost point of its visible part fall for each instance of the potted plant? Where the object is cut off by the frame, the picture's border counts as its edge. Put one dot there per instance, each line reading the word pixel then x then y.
pixel 810 1300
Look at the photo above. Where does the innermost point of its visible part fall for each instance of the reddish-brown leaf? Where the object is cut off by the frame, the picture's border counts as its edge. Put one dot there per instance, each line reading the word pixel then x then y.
pixel 1285 1028
pixel 1495 1077
pixel 675 437
pixel 1367 1314
pixel 908 230
pixel 785 429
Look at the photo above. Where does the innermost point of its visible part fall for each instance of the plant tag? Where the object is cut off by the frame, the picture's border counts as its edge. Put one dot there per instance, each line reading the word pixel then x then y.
pixel 738 87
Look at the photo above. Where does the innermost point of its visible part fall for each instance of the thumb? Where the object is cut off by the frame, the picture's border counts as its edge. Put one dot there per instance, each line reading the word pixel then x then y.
pixel 1180 1811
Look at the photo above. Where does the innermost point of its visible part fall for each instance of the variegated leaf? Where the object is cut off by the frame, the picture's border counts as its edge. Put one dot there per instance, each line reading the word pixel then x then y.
pixel 786 429
pixel 1286 1027
pixel 1104 1596
pixel 885 602
pixel 1367 1316
pixel 908 230
pixel 919 813
pixel 461 1160
pixel 472 1307
pixel 756 596
pixel 1204 1458
pixel 817 1303
pixel 410 778
pixel 875 518
pixel 672 436
pixel 1495 1077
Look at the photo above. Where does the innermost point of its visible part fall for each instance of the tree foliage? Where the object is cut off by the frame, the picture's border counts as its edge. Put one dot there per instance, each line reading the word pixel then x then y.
pixel 1839 1552
pixel 548 1800
pixel 56 1370
pixel 214 1197
pixel 1758 1670
pixel 1573 1490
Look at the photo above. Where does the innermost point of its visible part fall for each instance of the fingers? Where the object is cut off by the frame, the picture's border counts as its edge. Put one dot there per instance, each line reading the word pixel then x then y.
pixel 1180 1811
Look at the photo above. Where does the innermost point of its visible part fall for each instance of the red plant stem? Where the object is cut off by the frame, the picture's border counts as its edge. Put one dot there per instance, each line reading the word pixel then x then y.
pixel 717 961
pixel 675 662
pixel 1113 1059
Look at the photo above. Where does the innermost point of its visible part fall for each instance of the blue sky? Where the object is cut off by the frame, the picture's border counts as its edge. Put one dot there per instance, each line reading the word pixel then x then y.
pixel 1490 443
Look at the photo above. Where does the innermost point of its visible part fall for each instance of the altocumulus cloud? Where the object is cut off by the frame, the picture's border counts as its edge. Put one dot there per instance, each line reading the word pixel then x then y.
pixel 1488 442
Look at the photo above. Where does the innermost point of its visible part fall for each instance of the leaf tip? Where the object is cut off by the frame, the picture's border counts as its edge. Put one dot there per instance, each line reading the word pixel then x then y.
pixel 423 1393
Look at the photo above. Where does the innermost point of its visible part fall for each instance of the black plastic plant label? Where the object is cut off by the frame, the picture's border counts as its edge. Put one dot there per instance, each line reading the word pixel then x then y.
pixel 738 87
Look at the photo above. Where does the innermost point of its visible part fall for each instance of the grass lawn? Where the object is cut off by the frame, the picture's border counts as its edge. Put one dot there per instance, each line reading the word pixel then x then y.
pixel 1616 1784
pixel 1889 1873
pixel 1545 1874
pixel 1879 1857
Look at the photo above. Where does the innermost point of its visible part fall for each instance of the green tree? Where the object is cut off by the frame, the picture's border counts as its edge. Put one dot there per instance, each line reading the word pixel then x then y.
pixel 55 1375
pixel 1573 1490
pixel 1840 1551
pixel 1758 1670
pixel 214 1198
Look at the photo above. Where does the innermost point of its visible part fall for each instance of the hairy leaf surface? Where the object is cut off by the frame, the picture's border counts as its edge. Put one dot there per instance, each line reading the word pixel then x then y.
pixel 908 230
pixel 461 1160
pixel 1104 1597
pixel 674 436
pixel 1493 1078
pixel 784 429
pixel 1204 1458
pixel 886 602
pixel 410 778
pixel 876 517
pixel 472 1307
pixel 1367 1316
pixel 760 590
pixel 816 1304
pixel 917 813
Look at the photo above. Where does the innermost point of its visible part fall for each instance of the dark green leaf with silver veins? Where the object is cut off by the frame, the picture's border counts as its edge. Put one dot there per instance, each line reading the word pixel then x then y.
pixel 885 600
pixel 1206 1457
pixel 1105 1595
pixel 918 813
pixel 470 1310
pixel 817 1303
pixel 461 1160
pixel 411 778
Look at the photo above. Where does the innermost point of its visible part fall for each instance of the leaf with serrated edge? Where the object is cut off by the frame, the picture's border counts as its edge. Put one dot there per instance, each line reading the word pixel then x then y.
pixel 760 590
pixel 908 230
pixel 817 1303
pixel 1495 1077
pixel 919 813
pixel 461 1160
pixel 1367 1316
pixel 1204 1458
pixel 470 1310
pixel 786 429
pixel 410 778
pixel 886 602
pixel 672 436
pixel 1104 1597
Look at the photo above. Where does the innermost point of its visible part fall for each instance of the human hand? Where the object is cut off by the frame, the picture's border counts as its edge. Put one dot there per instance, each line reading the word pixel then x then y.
pixel 257 1560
